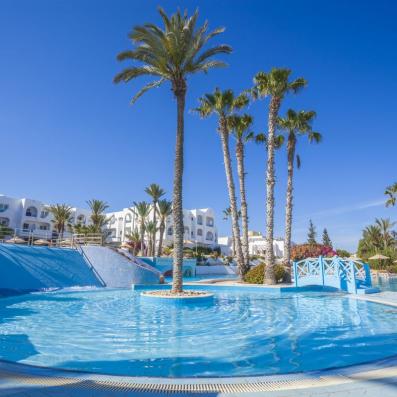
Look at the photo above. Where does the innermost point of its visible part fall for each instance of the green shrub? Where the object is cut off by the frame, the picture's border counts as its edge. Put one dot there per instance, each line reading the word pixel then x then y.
pixel 256 274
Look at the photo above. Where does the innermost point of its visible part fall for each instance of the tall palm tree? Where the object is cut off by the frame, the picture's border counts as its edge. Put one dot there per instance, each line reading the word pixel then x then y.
pixel 141 210
pixel 164 208
pixel 295 124
pixel 155 192
pixel 223 104
pixel 391 191
pixel 151 230
pixel 227 214
pixel 172 53
pixel 240 127
pixel 98 217
pixel 275 85
pixel 61 214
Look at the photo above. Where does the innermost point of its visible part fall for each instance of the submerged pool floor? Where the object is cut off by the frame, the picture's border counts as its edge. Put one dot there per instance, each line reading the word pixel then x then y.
pixel 239 334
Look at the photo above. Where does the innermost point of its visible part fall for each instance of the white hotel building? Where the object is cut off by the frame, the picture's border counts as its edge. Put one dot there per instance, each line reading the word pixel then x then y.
pixel 199 226
pixel 26 216
pixel 31 217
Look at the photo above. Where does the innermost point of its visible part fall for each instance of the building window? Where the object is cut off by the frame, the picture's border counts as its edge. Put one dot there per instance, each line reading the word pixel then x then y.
pixel 128 218
pixel 112 220
pixel 44 214
pixel 127 231
pixel 4 221
pixel 25 226
pixel 170 231
pixel 209 236
pixel 199 232
pixel 186 230
pixel 199 220
pixel 3 207
pixel 112 232
pixel 44 227
pixel 209 221
pixel 192 234
pixel 31 211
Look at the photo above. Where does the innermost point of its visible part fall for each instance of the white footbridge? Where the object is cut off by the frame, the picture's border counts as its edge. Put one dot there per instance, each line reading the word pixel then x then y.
pixel 351 276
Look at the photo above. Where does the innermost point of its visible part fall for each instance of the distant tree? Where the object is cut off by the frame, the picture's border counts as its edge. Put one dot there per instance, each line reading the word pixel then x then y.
pixel 164 209
pixel 312 234
pixel 391 192
pixel 98 216
pixel 61 214
pixel 326 240
pixel 141 210
pixel 151 230
pixel 343 253
pixel 5 231
pixel 155 192
pixel 134 240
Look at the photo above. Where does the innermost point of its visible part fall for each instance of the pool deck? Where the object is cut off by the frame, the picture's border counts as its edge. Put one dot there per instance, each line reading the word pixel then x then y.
pixel 373 379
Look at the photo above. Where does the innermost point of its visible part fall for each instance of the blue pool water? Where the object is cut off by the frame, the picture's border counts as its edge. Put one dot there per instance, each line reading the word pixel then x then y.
pixel 240 333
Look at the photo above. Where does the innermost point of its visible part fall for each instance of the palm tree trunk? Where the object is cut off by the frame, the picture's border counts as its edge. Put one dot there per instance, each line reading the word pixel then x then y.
pixel 270 181
pixel 244 210
pixel 180 93
pixel 142 229
pixel 288 209
pixel 161 231
pixel 232 196
pixel 153 253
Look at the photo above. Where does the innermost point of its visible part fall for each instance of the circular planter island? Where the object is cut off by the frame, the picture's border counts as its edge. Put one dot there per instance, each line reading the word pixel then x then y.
pixel 187 296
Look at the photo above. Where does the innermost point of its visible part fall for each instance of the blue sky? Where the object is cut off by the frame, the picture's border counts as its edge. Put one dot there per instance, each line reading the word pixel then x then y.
pixel 68 133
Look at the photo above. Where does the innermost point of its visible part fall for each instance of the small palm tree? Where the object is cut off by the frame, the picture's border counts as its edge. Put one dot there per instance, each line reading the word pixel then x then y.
pixel 275 85
pixel 294 124
pixel 223 104
pixel 240 127
pixel 98 217
pixel 151 230
pixel 61 214
pixel 135 241
pixel 155 192
pixel 164 208
pixel 391 191
pixel 227 214
pixel 171 54
pixel 385 227
pixel 141 210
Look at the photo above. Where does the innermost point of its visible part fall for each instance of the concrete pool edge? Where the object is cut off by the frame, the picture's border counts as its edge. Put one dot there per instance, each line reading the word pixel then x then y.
pixel 26 375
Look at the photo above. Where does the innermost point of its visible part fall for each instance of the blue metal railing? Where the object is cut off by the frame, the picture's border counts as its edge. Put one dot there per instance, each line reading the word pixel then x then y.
pixel 344 274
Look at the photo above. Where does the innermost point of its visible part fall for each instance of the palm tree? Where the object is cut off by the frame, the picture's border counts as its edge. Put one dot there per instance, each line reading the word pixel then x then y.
pixel 295 125
pixel 385 227
pixel 223 104
pixel 240 126
pixel 227 213
pixel 164 208
pixel 276 85
pixel 171 54
pixel 391 191
pixel 141 210
pixel 151 230
pixel 61 214
pixel 155 192
pixel 98 217
pixel 135 241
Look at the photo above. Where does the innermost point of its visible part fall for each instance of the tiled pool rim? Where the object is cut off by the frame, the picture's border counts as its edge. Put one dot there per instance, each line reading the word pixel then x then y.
pixel 44 376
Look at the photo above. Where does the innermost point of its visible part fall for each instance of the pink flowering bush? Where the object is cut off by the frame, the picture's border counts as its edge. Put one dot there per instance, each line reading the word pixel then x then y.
pixel 302 251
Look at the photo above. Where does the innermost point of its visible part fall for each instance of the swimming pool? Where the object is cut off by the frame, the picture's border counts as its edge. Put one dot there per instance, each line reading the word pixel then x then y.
pixel 242 333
